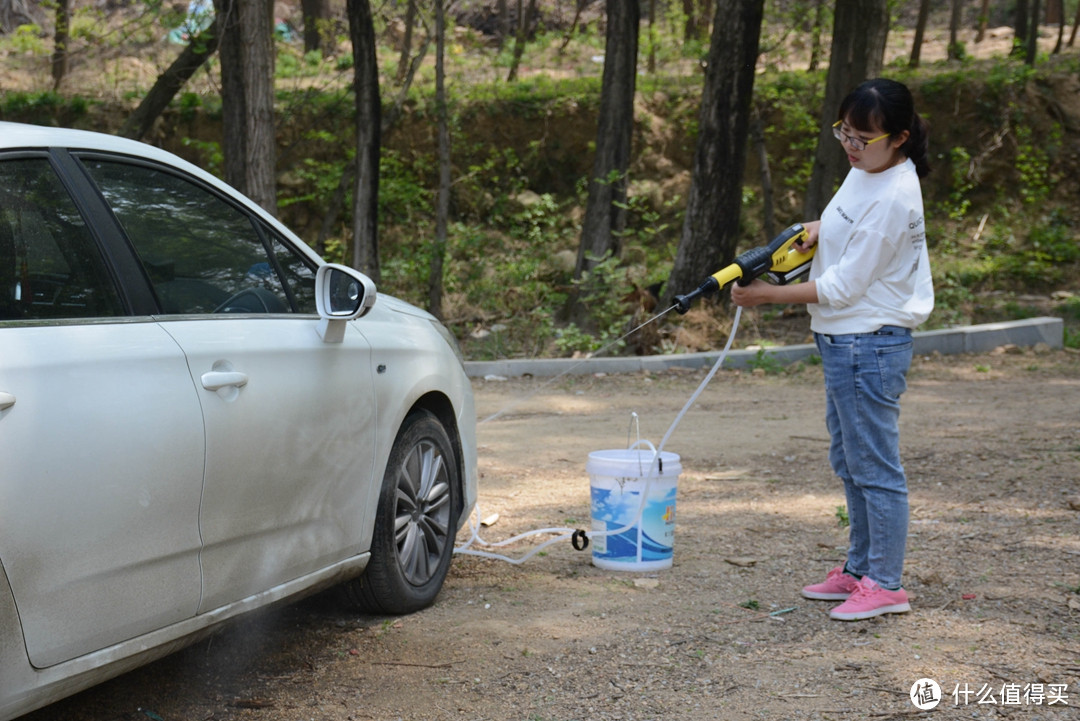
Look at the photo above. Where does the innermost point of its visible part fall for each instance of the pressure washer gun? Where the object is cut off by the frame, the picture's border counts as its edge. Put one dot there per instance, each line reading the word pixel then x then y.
pixel 779 262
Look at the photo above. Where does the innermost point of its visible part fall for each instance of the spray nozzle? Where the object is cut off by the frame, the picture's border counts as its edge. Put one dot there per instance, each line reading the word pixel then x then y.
pixel 683 302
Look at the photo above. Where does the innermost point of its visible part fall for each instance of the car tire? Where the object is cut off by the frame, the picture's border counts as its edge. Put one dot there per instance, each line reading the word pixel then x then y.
pixel 415 523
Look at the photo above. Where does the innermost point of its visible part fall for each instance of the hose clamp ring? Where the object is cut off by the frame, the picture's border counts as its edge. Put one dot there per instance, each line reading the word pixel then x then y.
pixel 579 540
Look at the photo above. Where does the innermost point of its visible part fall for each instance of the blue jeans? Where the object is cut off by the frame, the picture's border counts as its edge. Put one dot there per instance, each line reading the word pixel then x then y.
pixel 865 374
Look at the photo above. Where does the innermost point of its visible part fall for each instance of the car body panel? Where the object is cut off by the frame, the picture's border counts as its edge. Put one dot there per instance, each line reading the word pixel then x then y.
pixel 300 432
pixel 117 553
pixel 400 356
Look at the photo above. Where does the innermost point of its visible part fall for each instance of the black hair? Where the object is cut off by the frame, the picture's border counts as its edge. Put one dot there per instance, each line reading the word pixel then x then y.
pixel 887 104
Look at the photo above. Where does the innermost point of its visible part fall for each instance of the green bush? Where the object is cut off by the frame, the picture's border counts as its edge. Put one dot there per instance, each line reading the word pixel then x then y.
pixel 27 40
pixel 1048 256
pixel 47 108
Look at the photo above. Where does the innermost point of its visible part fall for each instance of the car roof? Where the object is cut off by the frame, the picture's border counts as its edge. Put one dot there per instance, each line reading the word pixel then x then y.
pixel 21 135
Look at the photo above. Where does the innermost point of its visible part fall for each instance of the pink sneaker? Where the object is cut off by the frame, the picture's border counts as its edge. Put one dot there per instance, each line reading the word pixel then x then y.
pixel 869 600
pixel 836 587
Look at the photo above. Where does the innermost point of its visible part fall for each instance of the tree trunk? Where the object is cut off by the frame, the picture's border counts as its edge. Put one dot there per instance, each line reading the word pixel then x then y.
pixel 316 16
pixel 1054 12
pixel 696 26
pixel 984 18
pixel 920 32
pixel 1076 22
pixel 579 6
pixel 1032 51
pixel 502 12
pixel 406 43
pixel 257 34
pixel 954 31
pixel 247 98
pixel 710 232
pixel 815 35
pixel 198 50
pixel 247 95
pixel 60 42
pixel 233 109
pixel 365 243
pixel 860 28
pixel 652 38
pixel 1059 9
pixel 442 202
pixel 1021 33
pixel 387 125
pixel 605 208
pixel 524 18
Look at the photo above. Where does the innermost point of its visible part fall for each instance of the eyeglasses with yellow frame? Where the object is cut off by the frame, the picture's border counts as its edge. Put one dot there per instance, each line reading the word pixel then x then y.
pixel 855 143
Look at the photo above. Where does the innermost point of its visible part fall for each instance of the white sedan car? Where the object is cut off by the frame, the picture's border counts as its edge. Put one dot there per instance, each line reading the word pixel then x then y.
pixel 199 417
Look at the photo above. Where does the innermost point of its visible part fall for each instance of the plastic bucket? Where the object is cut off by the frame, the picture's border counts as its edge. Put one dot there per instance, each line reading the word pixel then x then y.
pixel 620 481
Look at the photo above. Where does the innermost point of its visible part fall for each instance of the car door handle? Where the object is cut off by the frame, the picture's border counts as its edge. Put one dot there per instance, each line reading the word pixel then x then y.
pixel 6 401
pixel 216 380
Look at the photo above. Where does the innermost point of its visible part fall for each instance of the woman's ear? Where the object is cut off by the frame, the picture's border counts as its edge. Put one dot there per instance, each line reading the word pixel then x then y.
pixel 901 138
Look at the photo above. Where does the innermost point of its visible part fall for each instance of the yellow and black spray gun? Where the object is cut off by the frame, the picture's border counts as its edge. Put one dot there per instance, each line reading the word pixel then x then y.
pixel 778 261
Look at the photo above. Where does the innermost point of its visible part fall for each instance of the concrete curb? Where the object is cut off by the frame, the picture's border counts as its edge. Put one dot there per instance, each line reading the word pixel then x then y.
pixel 950 341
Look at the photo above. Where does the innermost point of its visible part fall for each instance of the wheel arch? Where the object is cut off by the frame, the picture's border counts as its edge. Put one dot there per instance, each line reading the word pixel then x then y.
pixel 439 405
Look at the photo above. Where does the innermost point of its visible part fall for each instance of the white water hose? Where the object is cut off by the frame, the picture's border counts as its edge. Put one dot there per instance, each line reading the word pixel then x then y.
pixel 572 533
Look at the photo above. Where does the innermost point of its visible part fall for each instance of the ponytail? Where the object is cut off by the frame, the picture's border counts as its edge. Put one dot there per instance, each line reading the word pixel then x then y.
pixel 917 146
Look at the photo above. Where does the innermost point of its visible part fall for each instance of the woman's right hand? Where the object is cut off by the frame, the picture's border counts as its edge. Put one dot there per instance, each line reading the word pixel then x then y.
pixel 812 227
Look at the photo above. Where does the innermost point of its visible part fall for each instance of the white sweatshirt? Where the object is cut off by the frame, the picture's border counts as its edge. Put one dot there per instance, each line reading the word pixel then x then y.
pixel 871 264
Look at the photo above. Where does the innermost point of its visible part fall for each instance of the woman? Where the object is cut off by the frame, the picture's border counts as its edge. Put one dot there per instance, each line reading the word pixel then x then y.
pixel 868 287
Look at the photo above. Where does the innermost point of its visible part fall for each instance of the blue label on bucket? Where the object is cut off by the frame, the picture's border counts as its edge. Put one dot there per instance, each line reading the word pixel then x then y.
pixel 650 539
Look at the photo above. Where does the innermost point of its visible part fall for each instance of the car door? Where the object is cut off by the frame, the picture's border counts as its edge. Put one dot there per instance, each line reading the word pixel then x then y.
pixel 101 436
pixel 290 419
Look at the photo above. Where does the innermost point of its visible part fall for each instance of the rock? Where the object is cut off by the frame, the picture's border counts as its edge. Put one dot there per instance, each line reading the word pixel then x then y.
pixel 741 561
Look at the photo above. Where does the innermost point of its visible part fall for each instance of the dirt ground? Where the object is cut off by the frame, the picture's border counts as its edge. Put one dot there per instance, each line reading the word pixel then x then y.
pixel 992 449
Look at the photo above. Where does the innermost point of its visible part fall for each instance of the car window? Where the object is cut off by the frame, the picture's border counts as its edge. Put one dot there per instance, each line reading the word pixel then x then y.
pixel 202 254
pixel 50 265
pixel 298 272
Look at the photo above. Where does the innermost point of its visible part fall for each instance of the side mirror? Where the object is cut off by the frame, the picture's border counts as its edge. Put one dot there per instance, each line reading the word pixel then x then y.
pixel 341 294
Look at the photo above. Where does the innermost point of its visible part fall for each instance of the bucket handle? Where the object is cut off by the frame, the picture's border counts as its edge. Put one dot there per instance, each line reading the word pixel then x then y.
pixel 634 426
pixel 656 455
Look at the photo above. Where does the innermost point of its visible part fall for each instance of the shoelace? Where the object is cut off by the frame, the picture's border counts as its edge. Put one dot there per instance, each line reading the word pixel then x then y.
pixel 834 574
pixel 862 590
